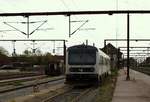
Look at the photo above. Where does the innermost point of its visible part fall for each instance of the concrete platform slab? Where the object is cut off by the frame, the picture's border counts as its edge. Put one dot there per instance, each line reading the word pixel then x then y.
pixel 135 90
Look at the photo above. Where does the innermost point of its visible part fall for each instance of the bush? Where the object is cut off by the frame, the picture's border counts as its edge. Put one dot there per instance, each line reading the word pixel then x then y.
pixel 114 72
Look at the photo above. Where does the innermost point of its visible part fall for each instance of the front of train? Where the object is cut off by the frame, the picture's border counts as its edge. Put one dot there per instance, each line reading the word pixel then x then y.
pixel 81 64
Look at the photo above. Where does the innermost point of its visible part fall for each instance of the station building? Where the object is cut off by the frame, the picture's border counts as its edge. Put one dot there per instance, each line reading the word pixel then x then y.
pixel 114 54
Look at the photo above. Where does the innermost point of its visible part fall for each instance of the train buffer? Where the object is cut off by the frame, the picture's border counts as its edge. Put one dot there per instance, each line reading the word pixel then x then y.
pixel 132 91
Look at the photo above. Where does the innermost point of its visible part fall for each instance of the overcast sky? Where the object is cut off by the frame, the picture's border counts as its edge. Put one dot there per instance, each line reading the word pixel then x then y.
pixel 105 26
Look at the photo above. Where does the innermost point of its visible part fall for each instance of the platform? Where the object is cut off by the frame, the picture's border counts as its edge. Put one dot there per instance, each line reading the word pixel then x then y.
pixel 135 90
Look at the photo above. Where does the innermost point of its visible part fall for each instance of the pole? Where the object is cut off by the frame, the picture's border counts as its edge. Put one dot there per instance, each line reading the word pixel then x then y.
pixel 54 48
pixel 69 26
pixel 33 47
pixel 27 26
pixel 123 62
pixel 14 49
pixel 104 43
pixel 118 58
pixel 128 37
pixel 64 56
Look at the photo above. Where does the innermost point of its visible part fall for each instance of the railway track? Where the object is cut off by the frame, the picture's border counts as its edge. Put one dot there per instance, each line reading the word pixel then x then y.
pixel 12 75
pixel 21 79
pixel 80 96
pixel 11 93
pixel 143 70
pixel 61 91
pixel 30 84
pixel 72 94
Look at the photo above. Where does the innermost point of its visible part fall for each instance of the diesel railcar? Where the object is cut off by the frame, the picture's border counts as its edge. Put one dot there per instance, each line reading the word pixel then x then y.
pixel 85 63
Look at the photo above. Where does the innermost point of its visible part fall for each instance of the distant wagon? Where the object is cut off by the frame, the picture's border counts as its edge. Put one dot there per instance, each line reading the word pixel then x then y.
pixel 54 68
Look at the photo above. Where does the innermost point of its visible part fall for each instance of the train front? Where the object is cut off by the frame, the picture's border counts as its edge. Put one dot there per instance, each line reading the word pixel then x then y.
pixel 81 64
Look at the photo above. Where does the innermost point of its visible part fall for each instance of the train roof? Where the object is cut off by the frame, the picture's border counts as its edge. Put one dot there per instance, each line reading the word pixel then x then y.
pixel 88 47
pixel 82 47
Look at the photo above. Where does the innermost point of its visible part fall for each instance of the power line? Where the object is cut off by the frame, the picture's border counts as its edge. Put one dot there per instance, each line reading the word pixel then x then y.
pixel 25 33
pixel 75 4
pixel 74 16
pixel 65 5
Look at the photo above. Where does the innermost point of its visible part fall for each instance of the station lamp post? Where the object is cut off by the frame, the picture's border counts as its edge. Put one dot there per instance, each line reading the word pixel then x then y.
pixel 128 45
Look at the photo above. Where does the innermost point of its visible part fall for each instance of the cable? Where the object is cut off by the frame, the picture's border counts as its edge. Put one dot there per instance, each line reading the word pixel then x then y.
pixel 75 4
pixel 65 5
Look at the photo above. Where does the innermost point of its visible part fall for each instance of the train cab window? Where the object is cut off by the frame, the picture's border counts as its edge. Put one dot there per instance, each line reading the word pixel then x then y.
pixel 82 57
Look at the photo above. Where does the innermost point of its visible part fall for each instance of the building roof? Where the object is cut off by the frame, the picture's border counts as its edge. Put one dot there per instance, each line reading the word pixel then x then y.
pixel 110 49
pixel 83 46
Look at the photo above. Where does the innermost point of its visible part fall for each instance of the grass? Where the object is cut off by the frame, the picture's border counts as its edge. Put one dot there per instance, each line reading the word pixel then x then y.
pixel 106 91
pixel 114 73
pixel 144 70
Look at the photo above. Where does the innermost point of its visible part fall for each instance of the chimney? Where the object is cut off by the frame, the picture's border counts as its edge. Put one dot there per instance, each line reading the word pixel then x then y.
pixel 94 44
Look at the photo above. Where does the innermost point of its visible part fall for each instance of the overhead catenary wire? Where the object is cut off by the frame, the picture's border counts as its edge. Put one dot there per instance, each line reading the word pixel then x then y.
pixel 16 29
pixel 29 22
pixel 65 5
pixel 117 23
pixel 74 3
pixel 84 21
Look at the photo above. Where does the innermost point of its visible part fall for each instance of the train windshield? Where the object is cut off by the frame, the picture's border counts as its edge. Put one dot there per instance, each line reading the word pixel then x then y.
pixel 82 57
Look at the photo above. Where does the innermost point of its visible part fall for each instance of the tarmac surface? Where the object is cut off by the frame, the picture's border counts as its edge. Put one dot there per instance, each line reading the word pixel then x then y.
pixel 137 89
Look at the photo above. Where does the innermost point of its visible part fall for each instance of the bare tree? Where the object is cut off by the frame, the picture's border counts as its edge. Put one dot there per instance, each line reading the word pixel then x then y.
pixel 3 51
